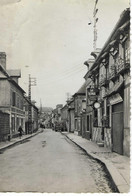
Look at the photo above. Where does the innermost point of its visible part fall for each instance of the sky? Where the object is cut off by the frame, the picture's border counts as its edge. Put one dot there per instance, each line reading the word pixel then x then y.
pixel 51 39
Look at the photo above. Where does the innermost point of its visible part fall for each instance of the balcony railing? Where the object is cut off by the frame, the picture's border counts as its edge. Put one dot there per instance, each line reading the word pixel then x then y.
pixel 113 73
pixel 122 65
pixel 18 111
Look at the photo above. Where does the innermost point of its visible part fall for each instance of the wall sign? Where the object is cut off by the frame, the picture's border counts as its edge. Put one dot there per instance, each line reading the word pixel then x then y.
pixel 114 99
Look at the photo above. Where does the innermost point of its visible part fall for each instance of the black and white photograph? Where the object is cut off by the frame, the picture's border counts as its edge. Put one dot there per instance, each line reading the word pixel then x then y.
pixel 65 96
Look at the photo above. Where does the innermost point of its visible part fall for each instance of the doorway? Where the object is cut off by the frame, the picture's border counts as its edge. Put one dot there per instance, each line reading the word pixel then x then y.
pixel 117 128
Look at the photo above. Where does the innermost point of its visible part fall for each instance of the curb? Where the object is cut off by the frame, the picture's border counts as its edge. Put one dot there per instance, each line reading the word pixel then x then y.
pixel 114 186
pixel 2 149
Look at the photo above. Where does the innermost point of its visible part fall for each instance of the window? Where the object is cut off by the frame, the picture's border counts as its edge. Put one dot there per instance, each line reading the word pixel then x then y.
pixel 121 51
pixel 13 124
pixel 75 105
pixel 127 51
pixel 87 123
pixel 18 101
pixel 21 104
pixel 13 99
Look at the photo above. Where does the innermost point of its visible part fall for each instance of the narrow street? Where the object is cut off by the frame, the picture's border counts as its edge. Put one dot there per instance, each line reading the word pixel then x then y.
pixel 49 162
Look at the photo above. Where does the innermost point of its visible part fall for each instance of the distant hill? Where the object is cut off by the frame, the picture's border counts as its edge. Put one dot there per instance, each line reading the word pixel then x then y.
pixel 47 109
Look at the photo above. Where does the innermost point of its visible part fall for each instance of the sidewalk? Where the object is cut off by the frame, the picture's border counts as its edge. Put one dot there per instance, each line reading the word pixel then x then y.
pixel 117 165
pixel 15 141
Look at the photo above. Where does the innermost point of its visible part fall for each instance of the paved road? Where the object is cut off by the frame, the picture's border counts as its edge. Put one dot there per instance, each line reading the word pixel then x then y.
pixel 49 162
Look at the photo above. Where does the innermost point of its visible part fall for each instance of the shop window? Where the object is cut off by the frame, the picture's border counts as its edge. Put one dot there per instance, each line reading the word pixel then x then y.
pixel 13 124
pixel 76 124
pixel 17 123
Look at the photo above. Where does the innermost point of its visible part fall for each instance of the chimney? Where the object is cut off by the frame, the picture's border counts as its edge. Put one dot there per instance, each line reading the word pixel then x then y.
pixel 3 59
pixel 33 102
pixel 96 52
pixel 15 74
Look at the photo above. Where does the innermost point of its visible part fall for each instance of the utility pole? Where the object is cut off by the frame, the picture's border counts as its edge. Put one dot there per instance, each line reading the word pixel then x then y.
pixel 95 24
pixel 32 82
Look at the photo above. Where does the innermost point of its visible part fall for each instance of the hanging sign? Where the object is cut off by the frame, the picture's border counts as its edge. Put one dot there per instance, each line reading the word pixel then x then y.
pixel 97 105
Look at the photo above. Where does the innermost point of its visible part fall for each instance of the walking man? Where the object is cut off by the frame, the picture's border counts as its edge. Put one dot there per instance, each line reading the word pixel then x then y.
pixel 20 130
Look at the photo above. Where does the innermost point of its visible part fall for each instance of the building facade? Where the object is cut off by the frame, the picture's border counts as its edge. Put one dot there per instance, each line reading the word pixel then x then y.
pixel 79 96
pixel 56 115
pixel 11 97
pixel 108 92
pixel 71 115
pixel 34 116
pixel 64 117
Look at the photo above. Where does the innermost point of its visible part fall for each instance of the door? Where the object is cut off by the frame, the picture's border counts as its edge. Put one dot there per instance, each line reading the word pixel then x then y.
pixel 90 126
pixel 117 128
pixel 83 126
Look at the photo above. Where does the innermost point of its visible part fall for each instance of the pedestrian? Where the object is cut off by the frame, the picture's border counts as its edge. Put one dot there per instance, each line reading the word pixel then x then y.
pixel 20 130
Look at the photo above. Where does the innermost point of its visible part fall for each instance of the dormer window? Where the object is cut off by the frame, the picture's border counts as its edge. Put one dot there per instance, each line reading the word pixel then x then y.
pixel 121 37
pixel 113 47
pixel 114 51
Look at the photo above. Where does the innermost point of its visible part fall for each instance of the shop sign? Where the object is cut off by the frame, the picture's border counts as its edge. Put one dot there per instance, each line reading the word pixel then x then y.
pixel 114 99
pixel 92 97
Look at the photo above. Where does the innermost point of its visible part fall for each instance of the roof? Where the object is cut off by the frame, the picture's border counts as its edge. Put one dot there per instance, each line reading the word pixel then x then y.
pixel 64 107
pixel 125 16
pixel 14 72
pixel 82 90
pixel 4 71
pixel 10 79
pixel 15 84
pixel 30 102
